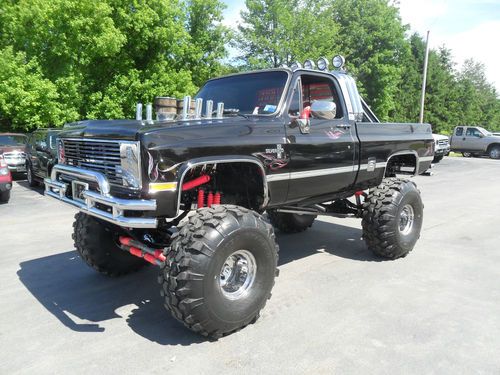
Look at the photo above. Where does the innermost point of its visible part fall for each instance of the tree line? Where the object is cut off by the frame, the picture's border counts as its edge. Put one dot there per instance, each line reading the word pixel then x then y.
pixel 66 60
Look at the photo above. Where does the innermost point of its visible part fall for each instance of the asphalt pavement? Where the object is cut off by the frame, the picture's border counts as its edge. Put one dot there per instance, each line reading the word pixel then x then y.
pixel 336 308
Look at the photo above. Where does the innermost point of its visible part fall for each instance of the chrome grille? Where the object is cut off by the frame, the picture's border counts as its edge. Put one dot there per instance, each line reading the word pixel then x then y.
pixel 443 142
pixel 14 155
pixel 99 156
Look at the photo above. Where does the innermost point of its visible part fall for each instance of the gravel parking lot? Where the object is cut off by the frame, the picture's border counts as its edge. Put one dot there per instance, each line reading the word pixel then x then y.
pixel 335 307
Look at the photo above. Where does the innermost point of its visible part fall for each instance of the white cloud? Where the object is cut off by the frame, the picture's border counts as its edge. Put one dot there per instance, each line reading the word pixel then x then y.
pixel 444 19
pixel 480 44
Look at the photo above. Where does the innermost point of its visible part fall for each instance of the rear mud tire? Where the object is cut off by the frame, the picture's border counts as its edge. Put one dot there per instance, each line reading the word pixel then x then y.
pixel 97 245
pixel 494 152
pixel 5 197
pixel 384 212
pixel 191 279
pixel 290 223
pixel 30 177
pixel 437 159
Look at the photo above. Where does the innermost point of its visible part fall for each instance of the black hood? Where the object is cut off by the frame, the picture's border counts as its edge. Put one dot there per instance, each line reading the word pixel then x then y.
pixel 103 129
pixel 134 130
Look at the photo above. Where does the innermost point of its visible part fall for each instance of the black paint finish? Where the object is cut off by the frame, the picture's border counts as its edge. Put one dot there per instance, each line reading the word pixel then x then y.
pixel 299 167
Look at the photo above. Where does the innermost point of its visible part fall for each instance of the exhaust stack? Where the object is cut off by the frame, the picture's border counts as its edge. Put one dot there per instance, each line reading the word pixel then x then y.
pixel 186 107
pixel 138 112
pixel 197 108
pixel 209 109
pixel 149 113
pixel 220 110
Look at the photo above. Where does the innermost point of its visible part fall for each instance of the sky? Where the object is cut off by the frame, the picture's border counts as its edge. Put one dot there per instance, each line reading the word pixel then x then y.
pixel 469 28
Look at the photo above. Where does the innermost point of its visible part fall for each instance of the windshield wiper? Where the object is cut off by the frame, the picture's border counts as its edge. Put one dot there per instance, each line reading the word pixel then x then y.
pixel 234 112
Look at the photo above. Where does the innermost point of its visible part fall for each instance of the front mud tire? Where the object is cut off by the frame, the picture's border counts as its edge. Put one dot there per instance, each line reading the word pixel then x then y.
pixel 386 218
pixel 193 279
pixel 97 245
pixel 290 223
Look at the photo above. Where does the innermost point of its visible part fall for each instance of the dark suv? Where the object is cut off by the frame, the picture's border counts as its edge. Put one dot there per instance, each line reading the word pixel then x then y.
pixel 41 154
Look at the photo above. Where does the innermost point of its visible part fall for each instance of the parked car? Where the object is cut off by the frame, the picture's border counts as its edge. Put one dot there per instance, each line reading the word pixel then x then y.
pixel 13 149
pixel 41 155
pixel 441 147
pixel 187 195
pixel 5 181
pixel 475 141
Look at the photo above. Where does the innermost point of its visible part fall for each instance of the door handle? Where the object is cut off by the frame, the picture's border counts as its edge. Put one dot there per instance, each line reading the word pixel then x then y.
pixel 343 126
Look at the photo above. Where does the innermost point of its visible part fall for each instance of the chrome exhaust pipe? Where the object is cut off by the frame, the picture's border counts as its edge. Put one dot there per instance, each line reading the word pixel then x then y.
pixel 220 110
pixel 138 112
pixel 149 113
pixel 186 107
pixel 197 108
pixel 209 109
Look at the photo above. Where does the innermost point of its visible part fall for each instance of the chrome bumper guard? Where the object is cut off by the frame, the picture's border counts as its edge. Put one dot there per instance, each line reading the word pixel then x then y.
pixel 86 199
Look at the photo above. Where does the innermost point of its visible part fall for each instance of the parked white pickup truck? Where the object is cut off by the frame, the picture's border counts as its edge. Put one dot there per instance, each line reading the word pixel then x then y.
pixel 441 147
pixel 475 141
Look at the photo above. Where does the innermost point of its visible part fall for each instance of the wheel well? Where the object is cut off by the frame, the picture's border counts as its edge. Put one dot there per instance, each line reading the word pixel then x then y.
pixel 239 183
pixel 491 146
pixel 401 164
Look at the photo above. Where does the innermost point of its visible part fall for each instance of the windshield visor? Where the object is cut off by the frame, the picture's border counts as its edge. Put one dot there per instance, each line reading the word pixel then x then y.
pixel 253 93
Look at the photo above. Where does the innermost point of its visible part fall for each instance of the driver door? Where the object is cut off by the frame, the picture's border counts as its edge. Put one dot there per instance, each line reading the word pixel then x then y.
pixel 473 140
pixel 322 159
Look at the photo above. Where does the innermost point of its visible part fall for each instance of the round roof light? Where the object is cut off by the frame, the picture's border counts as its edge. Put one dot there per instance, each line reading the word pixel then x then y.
pixel 338 61
pixel 296 65
pixel 309 64
pixel 322 63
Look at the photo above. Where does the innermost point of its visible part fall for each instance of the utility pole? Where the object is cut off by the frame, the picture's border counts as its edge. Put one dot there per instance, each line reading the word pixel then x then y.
pixel 424 81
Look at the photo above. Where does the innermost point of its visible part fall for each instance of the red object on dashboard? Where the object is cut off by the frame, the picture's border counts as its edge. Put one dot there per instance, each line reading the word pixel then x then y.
pixel 306 113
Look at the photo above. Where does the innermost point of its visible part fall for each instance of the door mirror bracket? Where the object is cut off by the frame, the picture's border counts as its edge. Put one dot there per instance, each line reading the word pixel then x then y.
pixel 304 125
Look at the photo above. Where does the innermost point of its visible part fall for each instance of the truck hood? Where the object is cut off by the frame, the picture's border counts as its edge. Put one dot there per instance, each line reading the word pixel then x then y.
pixel 133 130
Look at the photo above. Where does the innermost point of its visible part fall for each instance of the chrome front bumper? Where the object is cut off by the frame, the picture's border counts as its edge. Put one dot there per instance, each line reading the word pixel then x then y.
pixel 85 200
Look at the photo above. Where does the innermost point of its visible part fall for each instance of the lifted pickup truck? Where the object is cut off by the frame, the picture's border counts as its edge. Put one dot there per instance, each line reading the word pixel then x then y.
pixel 475 141
pixel 189 194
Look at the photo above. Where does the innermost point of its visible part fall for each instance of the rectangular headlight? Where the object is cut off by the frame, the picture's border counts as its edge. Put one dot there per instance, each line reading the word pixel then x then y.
pixel 130 166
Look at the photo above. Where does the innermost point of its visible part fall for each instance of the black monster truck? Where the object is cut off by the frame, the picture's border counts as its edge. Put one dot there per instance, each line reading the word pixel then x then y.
pixel 189 194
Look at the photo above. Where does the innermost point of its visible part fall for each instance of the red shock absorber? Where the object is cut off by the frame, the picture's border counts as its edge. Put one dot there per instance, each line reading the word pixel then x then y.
pixel 201 198
pixel 217 198
pixel 210 199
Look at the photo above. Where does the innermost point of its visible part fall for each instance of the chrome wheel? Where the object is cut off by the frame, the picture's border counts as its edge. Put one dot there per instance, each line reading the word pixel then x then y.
pixel 237 274
pixel 406 219
pixel 495 153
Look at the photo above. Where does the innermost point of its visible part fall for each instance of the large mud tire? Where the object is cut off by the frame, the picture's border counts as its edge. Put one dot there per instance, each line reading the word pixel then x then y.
pixel 290 223
pixel 5 196
pixel 30 176
pixel 386 218
pixel 192 278
pixel 96 243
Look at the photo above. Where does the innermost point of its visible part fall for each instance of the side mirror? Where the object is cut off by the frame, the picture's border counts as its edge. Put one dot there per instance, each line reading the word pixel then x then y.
pixel 323 109
pixel 481 135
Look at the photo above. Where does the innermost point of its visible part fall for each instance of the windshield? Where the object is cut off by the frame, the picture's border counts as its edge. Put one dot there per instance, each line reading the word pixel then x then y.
pixel 12 140
pixel 253 93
